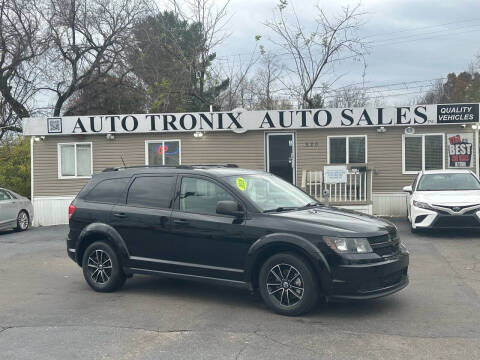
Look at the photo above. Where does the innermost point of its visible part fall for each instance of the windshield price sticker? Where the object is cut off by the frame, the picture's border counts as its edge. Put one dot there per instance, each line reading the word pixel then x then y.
pixel 241 183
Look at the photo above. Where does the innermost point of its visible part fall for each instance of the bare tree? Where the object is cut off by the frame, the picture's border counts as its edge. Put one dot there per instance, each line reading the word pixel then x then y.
pixel 315 52
pixel 240 91
pixel 351 96
pixel 89 41
pixel 213 20
pixel 21 42
pixel 434 95
pixel 268 81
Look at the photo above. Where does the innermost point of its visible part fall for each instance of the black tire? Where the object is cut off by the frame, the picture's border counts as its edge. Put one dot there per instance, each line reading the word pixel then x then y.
pixel 23 220
pixel 109 276
pixel 297 301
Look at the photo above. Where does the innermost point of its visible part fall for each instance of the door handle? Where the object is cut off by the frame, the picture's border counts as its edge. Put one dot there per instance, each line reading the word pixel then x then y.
pixel 180 221
pixel 120 215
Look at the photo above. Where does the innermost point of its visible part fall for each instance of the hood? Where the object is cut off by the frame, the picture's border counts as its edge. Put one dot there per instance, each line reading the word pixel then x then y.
pixel 341 222
pixel 450 198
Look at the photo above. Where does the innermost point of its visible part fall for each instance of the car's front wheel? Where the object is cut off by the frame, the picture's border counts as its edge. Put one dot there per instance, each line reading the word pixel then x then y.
pixel 22 221
pixel 102 268
pixel 288 284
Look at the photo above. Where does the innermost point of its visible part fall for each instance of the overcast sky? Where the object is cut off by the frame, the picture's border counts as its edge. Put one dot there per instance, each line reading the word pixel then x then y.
pixel 411 39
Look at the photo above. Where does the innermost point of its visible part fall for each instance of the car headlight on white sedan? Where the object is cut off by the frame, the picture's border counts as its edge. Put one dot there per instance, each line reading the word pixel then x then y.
pixel 422 205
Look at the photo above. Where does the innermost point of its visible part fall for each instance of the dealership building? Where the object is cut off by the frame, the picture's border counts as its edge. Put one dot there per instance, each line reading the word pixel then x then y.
pixel 361 156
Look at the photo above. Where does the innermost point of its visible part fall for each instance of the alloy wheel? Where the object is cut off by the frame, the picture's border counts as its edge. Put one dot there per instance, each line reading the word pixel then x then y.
pixel 99 266
pixel 285 284
pixel 23 220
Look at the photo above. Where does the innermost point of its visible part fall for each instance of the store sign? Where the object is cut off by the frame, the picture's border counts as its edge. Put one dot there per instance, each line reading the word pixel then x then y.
pixel 242 121
pixel 335 174
pixel 452 114
pixel 460 150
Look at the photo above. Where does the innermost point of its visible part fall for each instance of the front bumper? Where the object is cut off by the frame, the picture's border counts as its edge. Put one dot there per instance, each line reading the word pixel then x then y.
pixel 424 218
pixel 371 280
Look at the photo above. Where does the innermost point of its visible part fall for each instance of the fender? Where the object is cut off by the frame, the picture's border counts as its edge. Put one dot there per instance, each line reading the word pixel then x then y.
pixel 108 231
pixel 318 259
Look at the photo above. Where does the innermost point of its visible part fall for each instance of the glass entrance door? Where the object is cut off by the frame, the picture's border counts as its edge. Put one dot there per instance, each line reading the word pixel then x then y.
pixel 281 155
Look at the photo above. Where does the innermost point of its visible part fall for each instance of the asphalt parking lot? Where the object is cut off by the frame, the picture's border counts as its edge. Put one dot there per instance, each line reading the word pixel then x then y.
pixel 47 311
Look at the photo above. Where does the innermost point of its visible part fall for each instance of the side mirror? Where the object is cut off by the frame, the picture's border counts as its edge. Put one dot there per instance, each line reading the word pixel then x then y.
pixel 408 189
pixel 228 207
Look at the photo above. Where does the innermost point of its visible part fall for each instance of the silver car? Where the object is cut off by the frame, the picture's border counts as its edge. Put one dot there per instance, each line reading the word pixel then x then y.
pixel 16 211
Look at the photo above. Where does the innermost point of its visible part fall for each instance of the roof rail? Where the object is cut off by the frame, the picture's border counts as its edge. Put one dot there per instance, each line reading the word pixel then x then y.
pixel 215 165
pixel 169 166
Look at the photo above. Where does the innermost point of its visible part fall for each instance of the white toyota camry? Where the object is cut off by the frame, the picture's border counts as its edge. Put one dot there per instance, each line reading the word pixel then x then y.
pixel 444 199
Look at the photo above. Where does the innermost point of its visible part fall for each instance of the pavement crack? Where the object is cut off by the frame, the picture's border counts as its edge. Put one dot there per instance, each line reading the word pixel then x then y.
pixel 157 330
pixel 289 345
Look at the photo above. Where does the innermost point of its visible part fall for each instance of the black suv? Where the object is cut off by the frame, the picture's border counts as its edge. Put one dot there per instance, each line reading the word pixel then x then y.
pixel 231 226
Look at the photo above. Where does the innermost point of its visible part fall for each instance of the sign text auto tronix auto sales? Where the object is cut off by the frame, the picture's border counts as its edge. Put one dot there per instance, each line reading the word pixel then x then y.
pixel 241 121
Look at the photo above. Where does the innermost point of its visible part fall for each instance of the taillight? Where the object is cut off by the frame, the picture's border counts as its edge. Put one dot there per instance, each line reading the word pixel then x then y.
pixel 71 210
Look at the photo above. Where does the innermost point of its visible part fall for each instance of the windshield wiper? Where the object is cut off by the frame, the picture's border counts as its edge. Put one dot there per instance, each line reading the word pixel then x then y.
pixel 280 209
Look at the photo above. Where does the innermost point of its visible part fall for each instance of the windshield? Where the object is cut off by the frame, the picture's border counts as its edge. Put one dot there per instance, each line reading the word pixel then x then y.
pixel 452 181
pixel 269 192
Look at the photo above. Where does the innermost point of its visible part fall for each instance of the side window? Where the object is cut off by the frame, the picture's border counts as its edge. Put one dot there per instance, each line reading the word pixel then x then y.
pixel 152 191
pixel 347 149
pixel 75 160
pixel 4 195
pixel 163 152
pixel 201 196
pixel 107 191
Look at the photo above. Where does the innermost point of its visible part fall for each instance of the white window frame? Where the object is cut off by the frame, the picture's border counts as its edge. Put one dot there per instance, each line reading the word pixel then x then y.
pixel 347 150
pixel 423 151
pixel 59 159
pixel 163 154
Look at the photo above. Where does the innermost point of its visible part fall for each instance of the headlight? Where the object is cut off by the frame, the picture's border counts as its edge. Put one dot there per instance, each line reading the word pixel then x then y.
pixel 422 205
pixel 348 245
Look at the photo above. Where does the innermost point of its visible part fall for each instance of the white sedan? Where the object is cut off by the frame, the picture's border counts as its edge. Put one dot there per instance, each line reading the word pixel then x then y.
pixel 444 199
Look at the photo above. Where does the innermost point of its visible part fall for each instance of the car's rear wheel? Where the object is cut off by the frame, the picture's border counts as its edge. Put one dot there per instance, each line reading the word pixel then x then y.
pixel 102 268
pixel 23 221
pixel 288 284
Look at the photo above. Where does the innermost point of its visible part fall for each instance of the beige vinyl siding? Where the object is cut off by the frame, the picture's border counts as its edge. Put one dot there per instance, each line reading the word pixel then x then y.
pixel 384 154
pixel 246 150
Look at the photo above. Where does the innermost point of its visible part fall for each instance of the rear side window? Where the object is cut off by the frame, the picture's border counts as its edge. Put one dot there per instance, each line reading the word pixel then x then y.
pixel 12 195
pixel 108 191
pixel 152 191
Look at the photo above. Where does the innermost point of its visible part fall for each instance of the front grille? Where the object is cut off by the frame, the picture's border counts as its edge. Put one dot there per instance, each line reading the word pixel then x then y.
pixel 456 208
pixel 385 245
pixel 456 221
pixel 379 239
